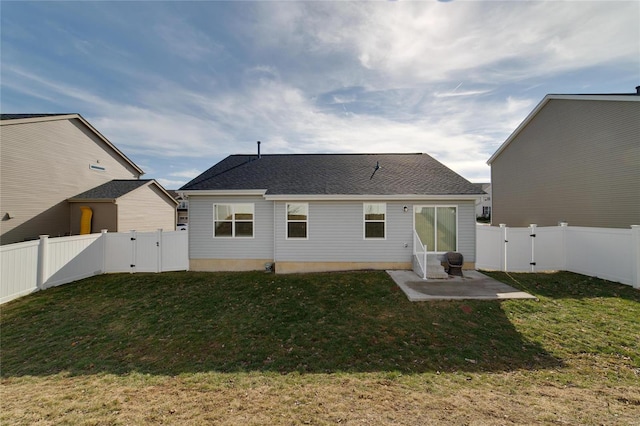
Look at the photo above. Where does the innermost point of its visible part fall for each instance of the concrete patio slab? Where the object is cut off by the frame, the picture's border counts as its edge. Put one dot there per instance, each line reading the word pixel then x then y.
pixel 473 285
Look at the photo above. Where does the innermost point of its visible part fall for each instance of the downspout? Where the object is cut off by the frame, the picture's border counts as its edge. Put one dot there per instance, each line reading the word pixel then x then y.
pixel 274 235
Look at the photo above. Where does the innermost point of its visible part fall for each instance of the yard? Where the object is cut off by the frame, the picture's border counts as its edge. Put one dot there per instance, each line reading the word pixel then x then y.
pixel 339 348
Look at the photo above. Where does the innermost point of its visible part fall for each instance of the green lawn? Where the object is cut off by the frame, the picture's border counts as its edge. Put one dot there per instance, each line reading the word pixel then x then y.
pixel 290 345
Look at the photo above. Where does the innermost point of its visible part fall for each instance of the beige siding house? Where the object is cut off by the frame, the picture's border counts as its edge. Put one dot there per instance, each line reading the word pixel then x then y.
pixel 125 205
pixel 575 159
pixel 45 159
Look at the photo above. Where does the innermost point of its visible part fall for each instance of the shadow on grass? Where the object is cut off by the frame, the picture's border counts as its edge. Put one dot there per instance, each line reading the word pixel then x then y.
pixel 190 322
pixel 566 285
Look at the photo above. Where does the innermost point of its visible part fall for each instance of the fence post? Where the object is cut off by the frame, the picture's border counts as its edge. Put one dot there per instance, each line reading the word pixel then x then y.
pixel 635 259
pixel 503 247
pixel 134 252
pixel 563 239
pixel 532 235
pixel 43 261
pixel 104 237
pixel 159 245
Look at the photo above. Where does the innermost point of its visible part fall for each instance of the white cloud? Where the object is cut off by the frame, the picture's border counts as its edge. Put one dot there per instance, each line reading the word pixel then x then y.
pixel 413 42
pixel 171 184
pixel 332 77
pixel 188 174
pixel 182 39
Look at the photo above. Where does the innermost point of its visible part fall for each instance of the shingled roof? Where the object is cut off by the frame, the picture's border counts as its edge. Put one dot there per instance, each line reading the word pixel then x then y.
pixel 111 190
pixel 334 174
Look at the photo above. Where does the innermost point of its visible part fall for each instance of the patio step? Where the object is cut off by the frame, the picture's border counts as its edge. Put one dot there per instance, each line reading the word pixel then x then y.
pixel 435 270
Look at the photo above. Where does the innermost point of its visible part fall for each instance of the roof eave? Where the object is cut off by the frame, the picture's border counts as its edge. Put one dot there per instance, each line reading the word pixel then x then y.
pixel 83 121
pixel 164 191
pixel 359 197
pixel 329 197
pixel 223 192
pixel 91 200
pixel 545 100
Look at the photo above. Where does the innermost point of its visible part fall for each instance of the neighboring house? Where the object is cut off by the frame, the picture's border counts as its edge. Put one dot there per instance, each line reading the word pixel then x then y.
pixel 182 218
pixel 125 205
pixel 47 159
pixel 483 204
pixel 575 159
pixel 326 212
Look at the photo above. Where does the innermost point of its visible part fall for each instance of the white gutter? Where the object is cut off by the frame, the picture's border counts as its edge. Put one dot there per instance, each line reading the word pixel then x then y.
pixel 390 197
pixel 225 192
pixel 329 197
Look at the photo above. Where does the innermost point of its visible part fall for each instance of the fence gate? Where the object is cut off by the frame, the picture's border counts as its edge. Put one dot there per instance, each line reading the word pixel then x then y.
pixel 146 251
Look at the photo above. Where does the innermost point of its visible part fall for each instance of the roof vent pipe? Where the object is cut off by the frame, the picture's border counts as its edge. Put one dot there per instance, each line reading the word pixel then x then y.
pixel 259 156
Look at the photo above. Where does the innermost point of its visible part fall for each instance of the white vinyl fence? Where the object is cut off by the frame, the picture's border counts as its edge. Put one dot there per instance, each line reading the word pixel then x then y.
pixel 612 254
pixel 37 265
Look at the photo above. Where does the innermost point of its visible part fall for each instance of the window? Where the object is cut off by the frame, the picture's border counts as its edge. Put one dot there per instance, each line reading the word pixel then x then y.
pixel 437 227
pixel 374 220
pixel 297 221
pixel 233 220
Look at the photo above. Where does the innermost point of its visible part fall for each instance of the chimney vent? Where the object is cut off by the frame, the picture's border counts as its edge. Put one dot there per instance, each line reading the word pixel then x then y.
pixel 259 156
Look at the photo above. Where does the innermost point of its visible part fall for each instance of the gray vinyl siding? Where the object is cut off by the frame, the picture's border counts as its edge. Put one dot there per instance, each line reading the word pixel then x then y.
pixel 202 244
pixel 576 161
pixel 335 230
pixel 336 234
pixel 42 164
pixel 467 230
pixel 146 209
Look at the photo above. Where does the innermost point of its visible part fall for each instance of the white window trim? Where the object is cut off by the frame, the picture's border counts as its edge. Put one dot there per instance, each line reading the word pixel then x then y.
pixel 364 223
pixel 417 206
pixel 233 221
pixel 286 222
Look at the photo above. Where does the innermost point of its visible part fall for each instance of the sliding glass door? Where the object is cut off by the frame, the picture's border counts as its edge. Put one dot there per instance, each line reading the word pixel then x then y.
pixel 437 227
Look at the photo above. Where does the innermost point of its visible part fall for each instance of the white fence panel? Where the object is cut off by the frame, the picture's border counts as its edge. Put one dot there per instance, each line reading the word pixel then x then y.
pixel 72 258
pixel 549 249
pixel 489 247
pixel 612 254
pixel 18 270
pixel 147 252
pixel 35 265
pixel 600 252
pixel 175 251
pixel 118 253
pixel 518 258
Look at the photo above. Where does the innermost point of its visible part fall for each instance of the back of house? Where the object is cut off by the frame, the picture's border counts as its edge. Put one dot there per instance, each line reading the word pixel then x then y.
pixel 325 212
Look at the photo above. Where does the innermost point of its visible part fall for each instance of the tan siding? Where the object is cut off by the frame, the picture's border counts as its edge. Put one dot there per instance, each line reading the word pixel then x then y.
pixel 104 217
pixel 41 165
pixel 576 161
pixel 146 209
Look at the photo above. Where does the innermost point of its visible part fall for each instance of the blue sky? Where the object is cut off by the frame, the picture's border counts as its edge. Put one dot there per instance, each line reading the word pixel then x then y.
pixel 178 86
